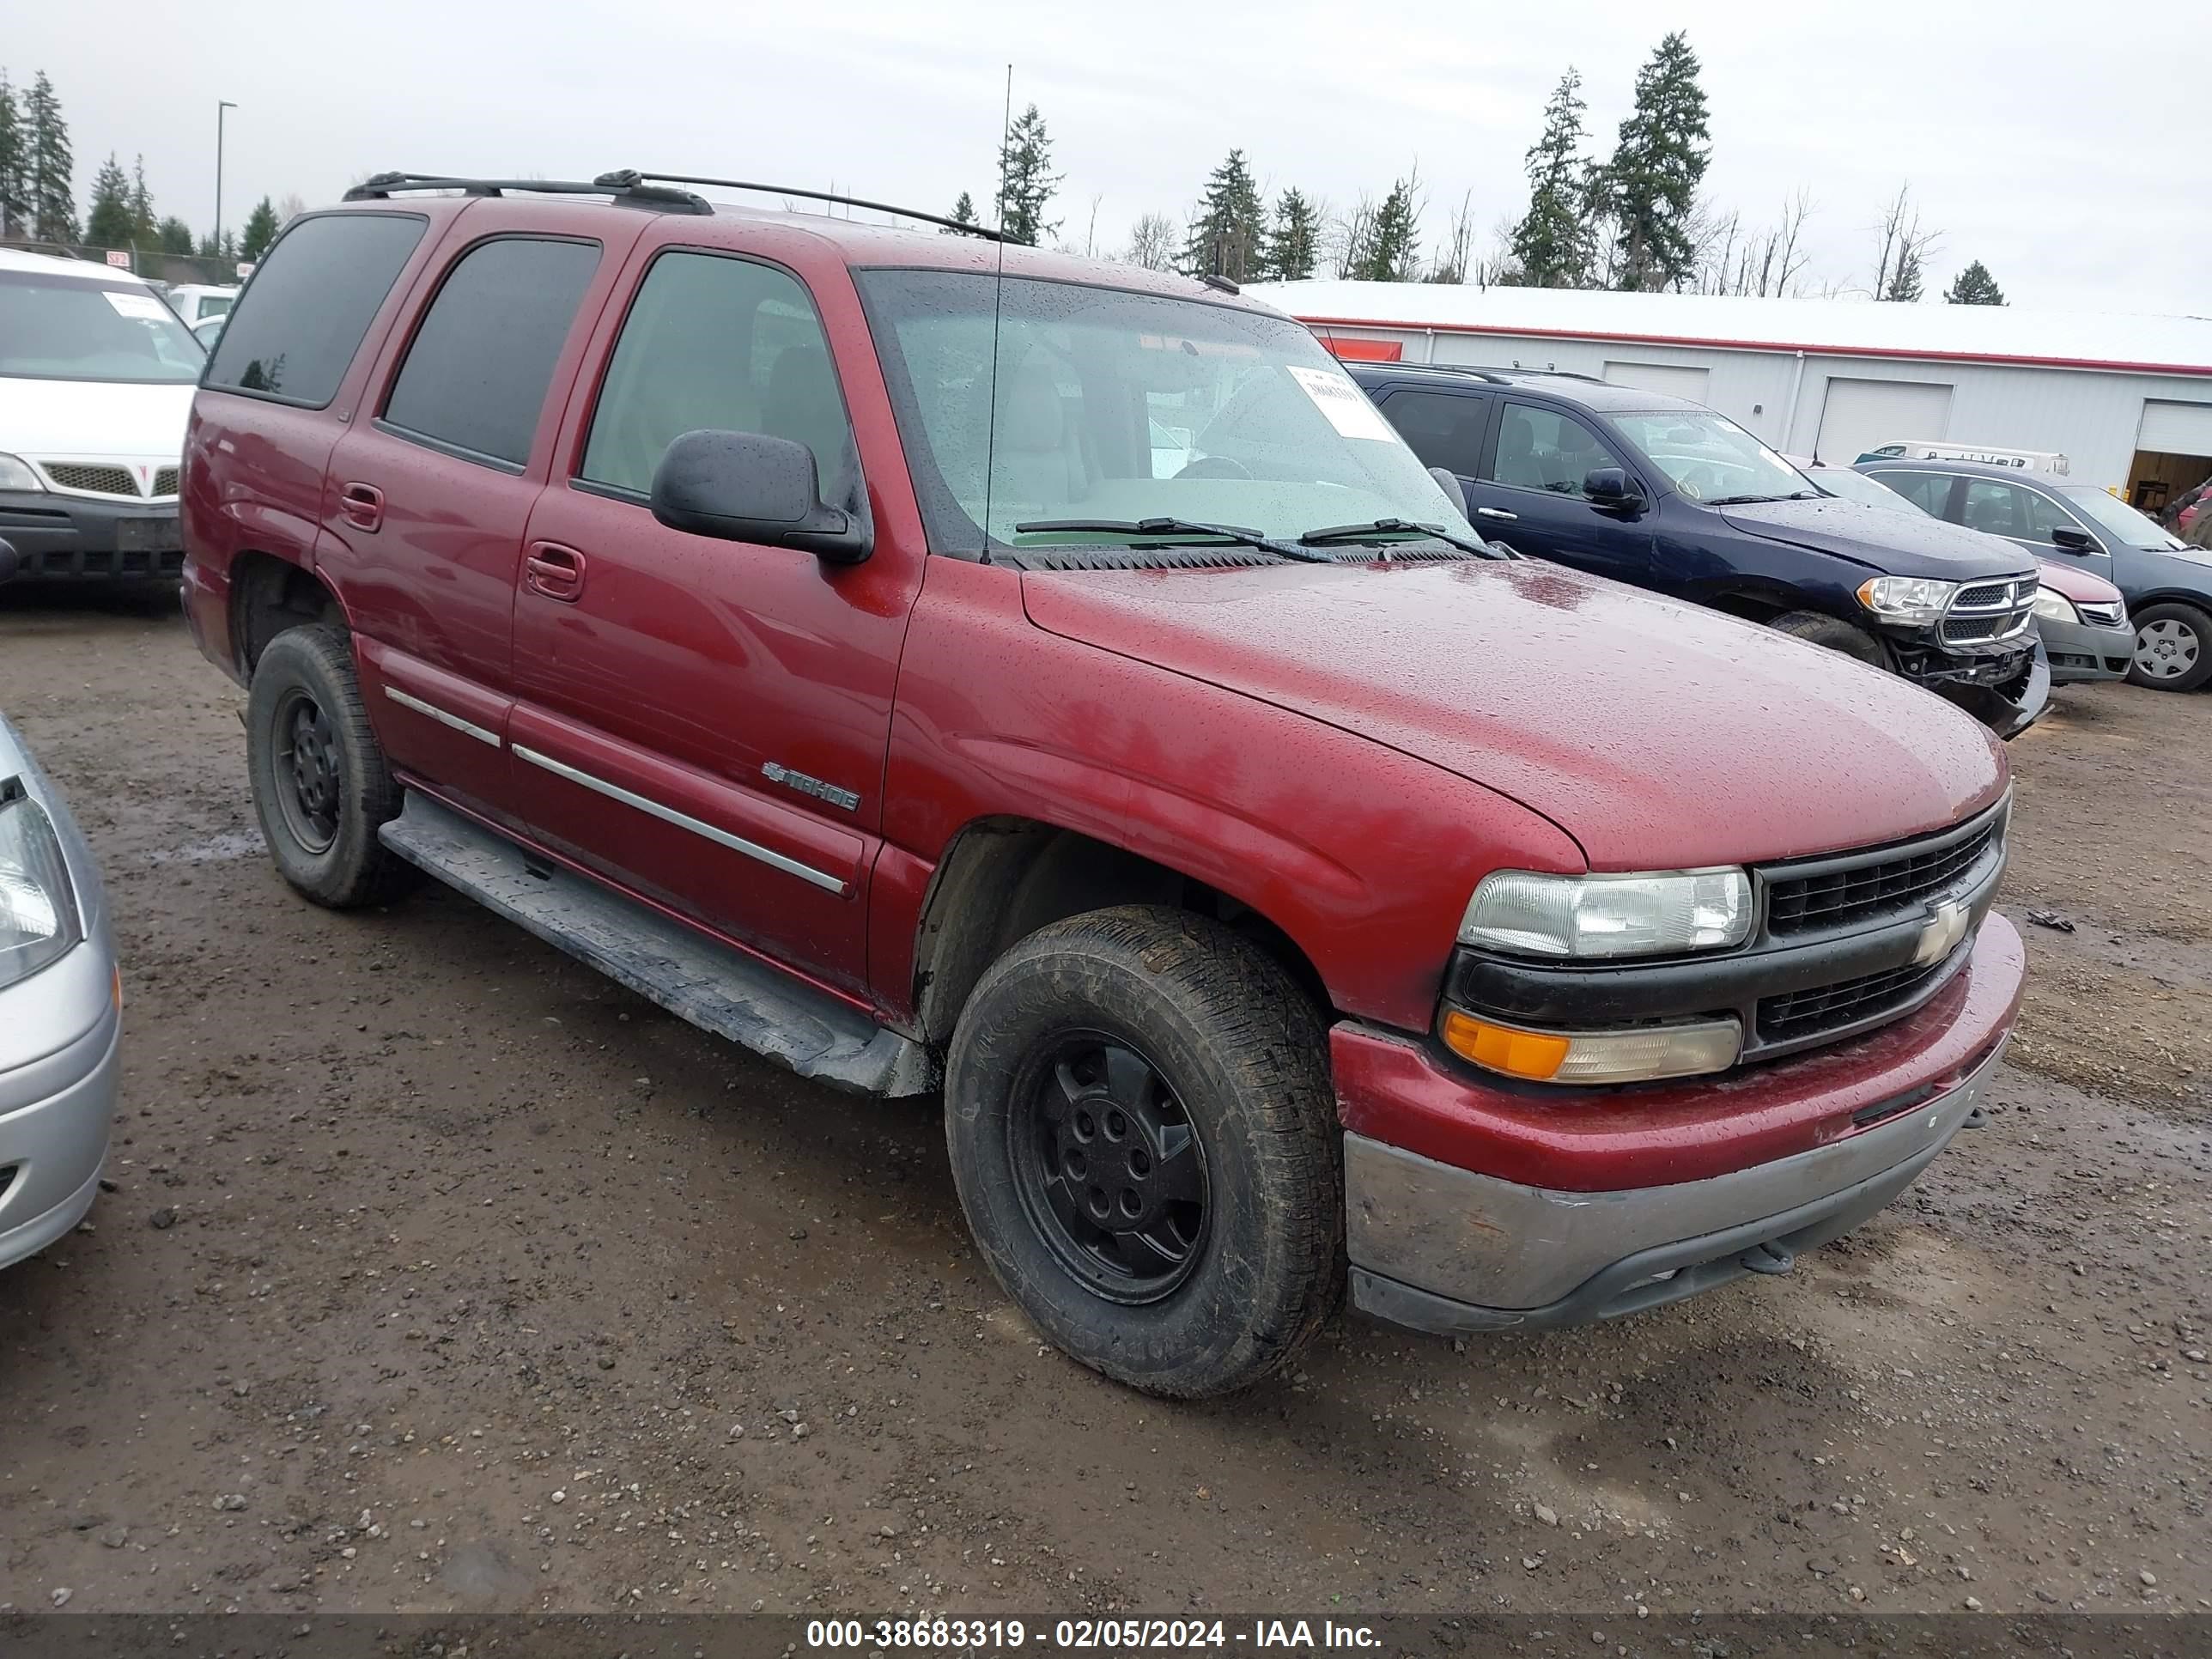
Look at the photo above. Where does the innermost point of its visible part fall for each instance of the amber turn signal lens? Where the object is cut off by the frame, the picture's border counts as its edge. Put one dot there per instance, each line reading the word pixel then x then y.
pixel 1517 1054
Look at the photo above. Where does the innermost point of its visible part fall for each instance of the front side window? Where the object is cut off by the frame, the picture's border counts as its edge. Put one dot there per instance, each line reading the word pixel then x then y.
pixel 65 328
pixel 1060 401
pixel 476 375
pixel 722 344
pixel 295 328
pixel 1444 428
pixel 1709 459
pixel 2002 509
pixel 1540 448
pixel 1928 491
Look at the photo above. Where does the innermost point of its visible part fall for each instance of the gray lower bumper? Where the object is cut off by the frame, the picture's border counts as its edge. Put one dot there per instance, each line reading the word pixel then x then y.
pixel 56 1110
pixel 1440 1248
pixel 2081 652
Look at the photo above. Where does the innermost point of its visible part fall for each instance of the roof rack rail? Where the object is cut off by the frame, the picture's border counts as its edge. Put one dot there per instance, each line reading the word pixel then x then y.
pixel 633 179
pixel 627 189
pixel 1503 376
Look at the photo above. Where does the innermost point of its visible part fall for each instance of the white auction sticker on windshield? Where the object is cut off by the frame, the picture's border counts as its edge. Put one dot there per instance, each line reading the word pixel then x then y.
pixel 143 307
pixel 1344 404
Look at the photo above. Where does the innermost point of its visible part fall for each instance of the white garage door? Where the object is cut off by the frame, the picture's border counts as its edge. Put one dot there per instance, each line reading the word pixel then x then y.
pixel 1675 379
pixel 1860 414
pixel 2175 428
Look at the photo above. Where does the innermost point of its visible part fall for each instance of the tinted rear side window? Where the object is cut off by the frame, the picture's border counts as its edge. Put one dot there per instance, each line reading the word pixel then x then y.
pixel 476 375
pixel 1443 428
pixel 311 301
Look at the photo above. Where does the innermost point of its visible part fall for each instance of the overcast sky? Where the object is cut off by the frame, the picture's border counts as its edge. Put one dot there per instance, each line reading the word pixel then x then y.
pixel 2066 148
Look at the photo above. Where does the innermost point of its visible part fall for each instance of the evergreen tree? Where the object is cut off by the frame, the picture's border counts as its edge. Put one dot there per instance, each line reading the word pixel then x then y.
pixel 1227 232
pixel 173 235
pixel 109 225
pixel 1294 238
pixel 1026 180
pixel 144 232
pixel 1650 185
pixel 261 229
pixel 51 168
pixel 1553 246
pixel 1905 283
pixel 207 248
pixel 964 213
pixel 1390 250
pixel 1974 286
pixel 14 186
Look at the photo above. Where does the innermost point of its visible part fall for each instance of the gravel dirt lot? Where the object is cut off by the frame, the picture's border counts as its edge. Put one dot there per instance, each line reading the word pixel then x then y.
pixel 440 1274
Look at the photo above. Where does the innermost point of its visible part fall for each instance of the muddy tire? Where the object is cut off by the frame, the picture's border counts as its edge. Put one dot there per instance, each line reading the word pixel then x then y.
pixel 1832 634
pixel 320 785
pixel 2174 647
pixel 1145 1139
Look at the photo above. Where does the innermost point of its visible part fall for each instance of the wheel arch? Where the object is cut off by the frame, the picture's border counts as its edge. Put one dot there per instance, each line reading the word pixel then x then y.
pixel 270 593
pixel 1004 877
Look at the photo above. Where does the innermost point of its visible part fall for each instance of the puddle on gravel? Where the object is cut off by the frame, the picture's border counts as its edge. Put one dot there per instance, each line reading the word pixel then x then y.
pixel 216 849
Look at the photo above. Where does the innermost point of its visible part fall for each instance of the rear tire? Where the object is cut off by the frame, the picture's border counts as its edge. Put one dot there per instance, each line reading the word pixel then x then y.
pixel 321 786
pixel 1144 1140
pixel 1833 634
pixel 2174 647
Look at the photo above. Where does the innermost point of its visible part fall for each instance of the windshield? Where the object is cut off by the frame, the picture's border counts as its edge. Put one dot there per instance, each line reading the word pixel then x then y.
pixel 67 329
pixel 2116 518
pixel 1849 486
pixel 1709 457
pixel 1120 407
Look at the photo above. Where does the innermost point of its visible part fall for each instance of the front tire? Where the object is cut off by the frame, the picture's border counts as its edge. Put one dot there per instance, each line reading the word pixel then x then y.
pixel 1832 634
pixel 1145 1141
pixel 2174 647
pixel 321 786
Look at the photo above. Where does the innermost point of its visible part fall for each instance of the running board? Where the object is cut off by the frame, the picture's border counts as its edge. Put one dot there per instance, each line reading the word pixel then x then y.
pixel 716 987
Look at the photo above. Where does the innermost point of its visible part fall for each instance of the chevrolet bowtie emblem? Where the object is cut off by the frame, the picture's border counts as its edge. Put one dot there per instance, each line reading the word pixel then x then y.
pixel 1940 935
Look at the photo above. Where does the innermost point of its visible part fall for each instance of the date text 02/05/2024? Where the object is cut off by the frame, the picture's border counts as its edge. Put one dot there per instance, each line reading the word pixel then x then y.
pixel 1084 1634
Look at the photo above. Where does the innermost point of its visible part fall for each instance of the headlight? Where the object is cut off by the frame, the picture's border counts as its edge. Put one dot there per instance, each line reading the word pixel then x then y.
pixel 1906 598
pixel 1637 1054
pixel 17 475
pixel 1586 916
pixel 2055 607
pixel 39 920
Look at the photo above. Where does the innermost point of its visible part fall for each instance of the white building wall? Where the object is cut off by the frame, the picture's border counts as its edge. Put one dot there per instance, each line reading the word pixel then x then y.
pixel 2091 416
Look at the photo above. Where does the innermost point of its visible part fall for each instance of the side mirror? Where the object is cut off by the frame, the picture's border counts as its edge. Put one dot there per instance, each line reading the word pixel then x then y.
pixel 751 487
pixel 1455 491
pixel 7 563
pixel 1609 486
pixel 2072 540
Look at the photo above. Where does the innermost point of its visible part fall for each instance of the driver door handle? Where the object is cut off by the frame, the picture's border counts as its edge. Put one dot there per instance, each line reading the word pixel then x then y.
pixel 1497 513
pixel 554 572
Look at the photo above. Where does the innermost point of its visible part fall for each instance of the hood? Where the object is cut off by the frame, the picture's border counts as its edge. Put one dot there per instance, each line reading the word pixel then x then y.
pixel 2083 586
pixel 84 419
pixel 1891 543
pixel 1658 735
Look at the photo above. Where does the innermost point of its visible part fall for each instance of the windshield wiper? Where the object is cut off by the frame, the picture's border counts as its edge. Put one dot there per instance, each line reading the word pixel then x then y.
pixel 1152 528
pixel 1352 532
pixel 1745 500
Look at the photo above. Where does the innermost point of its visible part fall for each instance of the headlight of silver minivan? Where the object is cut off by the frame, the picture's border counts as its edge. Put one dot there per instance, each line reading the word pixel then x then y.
pixel 1608 915
pixel 16 473
pixel 38 919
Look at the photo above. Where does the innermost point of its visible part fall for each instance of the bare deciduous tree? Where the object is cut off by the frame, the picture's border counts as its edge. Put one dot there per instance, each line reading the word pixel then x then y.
pixel 1905 247
pixel 1154 241
pixel 1453 257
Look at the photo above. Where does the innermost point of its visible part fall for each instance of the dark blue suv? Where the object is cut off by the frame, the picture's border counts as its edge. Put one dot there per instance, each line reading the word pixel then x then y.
pixel 1668 495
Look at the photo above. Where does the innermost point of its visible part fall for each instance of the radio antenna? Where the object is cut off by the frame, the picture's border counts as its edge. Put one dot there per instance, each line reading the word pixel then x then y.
pixel 998 295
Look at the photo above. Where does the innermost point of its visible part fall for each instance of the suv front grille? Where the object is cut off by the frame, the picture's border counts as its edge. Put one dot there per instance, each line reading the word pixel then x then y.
pixel 165 481
pixel 1986 612
pixel 1801 1014
pixel 1984 593
pixel 91 479
pixel 1885 881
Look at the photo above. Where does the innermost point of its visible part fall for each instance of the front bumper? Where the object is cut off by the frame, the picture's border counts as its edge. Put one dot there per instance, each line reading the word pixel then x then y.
pixel 2006 684
pixel 75 538
pixel 1473 1206
pixel 2082 651
pixel 56 1095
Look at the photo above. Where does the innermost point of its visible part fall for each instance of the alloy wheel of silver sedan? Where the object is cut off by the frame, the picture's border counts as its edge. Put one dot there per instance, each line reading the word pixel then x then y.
pixel 2166 648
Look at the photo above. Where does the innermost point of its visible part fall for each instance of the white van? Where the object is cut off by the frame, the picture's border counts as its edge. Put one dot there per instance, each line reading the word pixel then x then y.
pixel 2025 460
pixel 96 382
pixel 197 301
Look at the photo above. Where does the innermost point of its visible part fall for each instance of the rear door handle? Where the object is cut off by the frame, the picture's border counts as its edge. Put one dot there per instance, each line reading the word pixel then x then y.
pixel 1497 513
pixel 362 506
pixel 554 572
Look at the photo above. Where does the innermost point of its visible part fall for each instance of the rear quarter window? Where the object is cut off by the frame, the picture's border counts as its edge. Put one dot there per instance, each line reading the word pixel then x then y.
pixel 302 319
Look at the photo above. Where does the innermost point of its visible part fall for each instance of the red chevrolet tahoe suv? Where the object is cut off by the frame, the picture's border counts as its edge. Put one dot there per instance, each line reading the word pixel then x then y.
pixel 942 666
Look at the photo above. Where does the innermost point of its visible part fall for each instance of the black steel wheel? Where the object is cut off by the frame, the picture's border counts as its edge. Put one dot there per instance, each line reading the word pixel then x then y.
pixel 1110 1168
pixel 307 762
pixel 1139 1120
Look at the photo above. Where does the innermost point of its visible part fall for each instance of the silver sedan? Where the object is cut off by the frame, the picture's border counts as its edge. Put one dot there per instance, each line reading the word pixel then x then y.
pixel 61 1011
